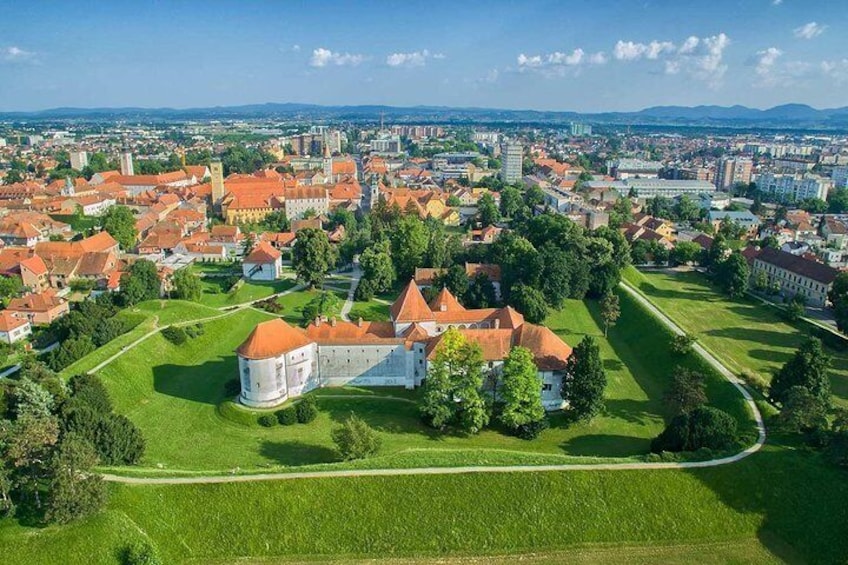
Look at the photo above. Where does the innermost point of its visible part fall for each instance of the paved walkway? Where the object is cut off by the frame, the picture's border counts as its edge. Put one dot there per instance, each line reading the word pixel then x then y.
pixel 356 274
pixel 761 438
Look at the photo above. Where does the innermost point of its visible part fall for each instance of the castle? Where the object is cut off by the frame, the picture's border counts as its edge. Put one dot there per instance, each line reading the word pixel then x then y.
pixel 278 361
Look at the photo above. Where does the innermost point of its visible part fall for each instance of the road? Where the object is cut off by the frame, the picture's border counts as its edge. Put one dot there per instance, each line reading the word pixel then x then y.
pixel 355 275
pixel 712 360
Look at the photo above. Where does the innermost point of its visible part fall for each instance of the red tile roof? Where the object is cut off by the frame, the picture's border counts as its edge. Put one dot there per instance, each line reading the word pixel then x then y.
pixel 272 339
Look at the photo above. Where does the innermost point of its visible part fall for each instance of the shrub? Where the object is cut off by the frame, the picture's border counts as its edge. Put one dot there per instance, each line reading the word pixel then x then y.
pixel 267 420
pixel 287 416
pixel 194 331
pixel 175 335
pixel 307 409
pixel 355 439
pixel 232 388
pixel 532 430
pixel 703 427
pixel 141 553
pixel 89 390
pixel 682 344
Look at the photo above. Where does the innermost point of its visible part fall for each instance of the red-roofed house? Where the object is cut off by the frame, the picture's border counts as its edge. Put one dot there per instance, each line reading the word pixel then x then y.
pixel 13 327
pixel 264 263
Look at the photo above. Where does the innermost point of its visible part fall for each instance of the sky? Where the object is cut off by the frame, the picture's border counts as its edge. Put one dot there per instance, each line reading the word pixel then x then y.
pixel 585 56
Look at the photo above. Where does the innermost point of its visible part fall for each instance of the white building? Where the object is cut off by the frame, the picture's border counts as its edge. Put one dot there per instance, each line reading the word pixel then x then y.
pixel 731 171
pixel 622 169
pixel 649 188
pixel 13 327
pixel 278 361
pixel 512 156
pixel 301 199
pixel 840 177
pixel 264 263
pixel 79 160
pixel 793 188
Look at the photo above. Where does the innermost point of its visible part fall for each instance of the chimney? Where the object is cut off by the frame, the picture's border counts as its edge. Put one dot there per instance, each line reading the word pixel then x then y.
pixel 359 322
pixel 497 323
pixel 317 321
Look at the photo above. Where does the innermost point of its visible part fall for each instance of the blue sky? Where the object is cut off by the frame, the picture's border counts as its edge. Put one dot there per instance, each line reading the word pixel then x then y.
pixel 580 55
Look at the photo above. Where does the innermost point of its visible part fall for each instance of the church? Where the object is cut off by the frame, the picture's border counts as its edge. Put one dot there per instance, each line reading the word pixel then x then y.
pixel 278 361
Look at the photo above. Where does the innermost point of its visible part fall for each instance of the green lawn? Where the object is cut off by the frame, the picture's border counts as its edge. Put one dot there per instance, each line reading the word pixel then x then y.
pixel 745 334
pixel 371 311
pixel 217 268
pixel 216 295
pixel 77 223
pixel 174 394
pixel 779 505
pixel 293 304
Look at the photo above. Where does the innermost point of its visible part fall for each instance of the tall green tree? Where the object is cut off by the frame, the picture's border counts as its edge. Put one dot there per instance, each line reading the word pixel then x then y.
pixel 687 391
pixel 75 490
pixel 187 285
pixel 377 267
pixel 585 380
pixel 141 282
pixel 487 211
pixel 511 201
pixel 119 222
pixel 610 310
pixel 808 368
pixel 521 392
pixel 734 274
pixel 312 256
pixel 530 302
pixel 409 245
pixel 451 393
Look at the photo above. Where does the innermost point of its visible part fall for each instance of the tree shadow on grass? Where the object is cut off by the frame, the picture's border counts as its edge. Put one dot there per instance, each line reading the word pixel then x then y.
pixel 770 337
pixel 385 415
pixel 803 501
pixel 613 365
pixel 297 453
pixel 606 445
pixel 632 411
pixel 197 383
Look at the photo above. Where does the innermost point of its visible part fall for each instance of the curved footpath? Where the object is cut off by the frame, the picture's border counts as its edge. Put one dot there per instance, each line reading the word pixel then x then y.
pixel 709 357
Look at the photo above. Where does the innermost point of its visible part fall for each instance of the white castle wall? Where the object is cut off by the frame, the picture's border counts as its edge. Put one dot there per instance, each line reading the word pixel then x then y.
pixel 366 365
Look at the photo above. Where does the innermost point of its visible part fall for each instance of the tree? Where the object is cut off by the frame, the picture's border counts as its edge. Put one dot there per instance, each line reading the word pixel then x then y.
pixel 31 399
pixel 521 393
pixel 75 491
pixel 610 310
pixel 802 411
pixel 10 287
pixel 312 256
pixel 355 439
pixel 187 285
pixel 682 344
pixel 408 246
pixel 687 391
pixel 715 255
pixel 807 368
pixel 530 302
pixel 837 200
pixel 487 210
pixel 277 221
pixel 733 275
pixel 325 304
pixel 585 380
pixel 141 282
pixel 838 296
pixel 481 292
pixel 687 210
pixel 119 222
pixel 685 252
pixel 455 279
pixel 452 387
pixel 377 267
pixel 141 553
pixel 704 427
pixel 511 201
pixel 28 446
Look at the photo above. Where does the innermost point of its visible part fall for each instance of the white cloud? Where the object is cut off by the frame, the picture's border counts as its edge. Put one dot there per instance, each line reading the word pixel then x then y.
pixel 295 48
pixel 837 70
pixel 15 54
pixel 414 59
pixel 701 57
pixel 556 63
pixel 439 56
pixel 776 2
pixel 322 57
pixel 764 69
pixel 809 31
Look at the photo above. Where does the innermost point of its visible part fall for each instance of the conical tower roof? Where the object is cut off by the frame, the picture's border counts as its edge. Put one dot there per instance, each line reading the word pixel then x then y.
pixel 410 306
pixel 446 302
pixel 272 339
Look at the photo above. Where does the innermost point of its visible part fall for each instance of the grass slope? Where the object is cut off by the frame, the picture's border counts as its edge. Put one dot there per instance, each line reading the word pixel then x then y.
pixel 778 504
pixel 216 295
pixel 746 334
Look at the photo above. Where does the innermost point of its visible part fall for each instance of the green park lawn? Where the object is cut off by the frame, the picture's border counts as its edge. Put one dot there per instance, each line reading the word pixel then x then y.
pixel 294 302
pixel 745 334
pixel 178 401
pixel 217 295
pixel 779 505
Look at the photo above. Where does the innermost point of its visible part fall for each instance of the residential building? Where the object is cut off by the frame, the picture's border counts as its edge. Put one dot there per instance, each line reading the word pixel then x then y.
pixel 79 160
pixel 796 275
pixel 744 219
pixel 278 362
pixel 793 188
pixel 512 158
pixel 622 169
pixel 127 162
pixel 840 177
pixel 264 263
pixel 650 187
pixel 13 327
pixel 302 199
pixel 731 171
pixel 40 309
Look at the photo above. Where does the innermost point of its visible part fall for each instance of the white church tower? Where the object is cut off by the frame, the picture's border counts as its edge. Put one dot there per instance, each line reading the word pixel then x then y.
pixel 328 160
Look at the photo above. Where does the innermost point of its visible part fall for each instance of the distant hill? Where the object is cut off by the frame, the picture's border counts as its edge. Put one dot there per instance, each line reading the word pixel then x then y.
pixel 787 115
